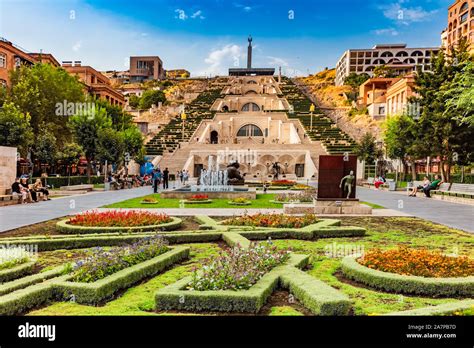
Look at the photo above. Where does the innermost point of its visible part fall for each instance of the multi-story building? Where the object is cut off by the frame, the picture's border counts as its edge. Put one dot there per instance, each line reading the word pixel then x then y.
pixel 398 57
pixel 95 83
pixel 460 23
pixel 387 96
pixel 12 57
pixel 146 68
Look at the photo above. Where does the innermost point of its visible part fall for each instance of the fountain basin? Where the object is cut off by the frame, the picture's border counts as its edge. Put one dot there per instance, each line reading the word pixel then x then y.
pixel 187 192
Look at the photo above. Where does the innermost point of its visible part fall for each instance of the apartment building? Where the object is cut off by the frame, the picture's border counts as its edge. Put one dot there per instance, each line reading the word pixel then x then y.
pixel 146 68
pixel 398 57
pixel 460 24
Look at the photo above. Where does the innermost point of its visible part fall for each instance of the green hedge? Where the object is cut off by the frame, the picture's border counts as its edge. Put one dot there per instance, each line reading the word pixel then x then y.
pixel 233 239
pixel 63 227
pixel 442 309
pixel 24 282
pixel 16 272
pixel 93 293
pixel 57 182
pixel 407 284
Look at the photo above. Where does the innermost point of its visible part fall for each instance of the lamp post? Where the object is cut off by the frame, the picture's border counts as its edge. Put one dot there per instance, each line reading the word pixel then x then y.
pixel 311 109
pixel 183 118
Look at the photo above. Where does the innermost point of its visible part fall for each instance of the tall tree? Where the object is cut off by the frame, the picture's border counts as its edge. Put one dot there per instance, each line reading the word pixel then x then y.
pixel 366 150
pixel 15 129
pixel 71 154
pixel 46 149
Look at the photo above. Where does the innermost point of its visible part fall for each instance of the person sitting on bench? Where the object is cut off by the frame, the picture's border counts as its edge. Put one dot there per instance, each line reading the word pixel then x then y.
pixel 31 194
pixel 38 187
pixel 433 186
pixel 414 191
pixel 379 181
pixel 19 190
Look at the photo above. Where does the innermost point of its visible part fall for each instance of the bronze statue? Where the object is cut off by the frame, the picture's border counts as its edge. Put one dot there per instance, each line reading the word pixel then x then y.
pixel 233 174
pixel 348 182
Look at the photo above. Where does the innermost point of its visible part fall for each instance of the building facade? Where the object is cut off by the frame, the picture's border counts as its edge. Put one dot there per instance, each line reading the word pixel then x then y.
pixel 95 83
pixel 146 68
pixel 460 24
pixel 398 57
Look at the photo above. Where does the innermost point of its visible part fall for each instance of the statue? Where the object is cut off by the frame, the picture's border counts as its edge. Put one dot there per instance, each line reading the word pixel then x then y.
pixel 233 174
pixel 348 182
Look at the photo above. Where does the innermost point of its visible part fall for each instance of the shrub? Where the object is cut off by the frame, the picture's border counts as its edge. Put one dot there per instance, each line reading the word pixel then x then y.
pixel 272 220
pixel 304 197
pixel 418 262
pixel 239 200
pixel 149 200
pixel 11 257
pixel 102 263
pixel 238 268
pixel 117 218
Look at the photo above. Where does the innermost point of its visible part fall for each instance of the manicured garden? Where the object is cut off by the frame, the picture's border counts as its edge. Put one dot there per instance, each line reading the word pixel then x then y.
pixel 255 264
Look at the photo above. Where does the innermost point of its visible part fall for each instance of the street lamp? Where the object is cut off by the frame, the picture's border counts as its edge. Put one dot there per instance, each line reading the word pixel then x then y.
pixel 183 118
pixel 311 109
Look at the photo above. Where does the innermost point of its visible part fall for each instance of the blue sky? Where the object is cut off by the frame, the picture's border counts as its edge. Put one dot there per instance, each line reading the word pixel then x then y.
pixel 208 37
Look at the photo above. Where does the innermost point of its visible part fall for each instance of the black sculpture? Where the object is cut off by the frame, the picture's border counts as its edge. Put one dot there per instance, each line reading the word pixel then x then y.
pixel 233 174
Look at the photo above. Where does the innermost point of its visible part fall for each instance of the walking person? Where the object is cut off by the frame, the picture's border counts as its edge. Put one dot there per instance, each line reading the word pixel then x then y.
pixel 185 176
pixel 166 176
pixel 156 180
pixel 180 176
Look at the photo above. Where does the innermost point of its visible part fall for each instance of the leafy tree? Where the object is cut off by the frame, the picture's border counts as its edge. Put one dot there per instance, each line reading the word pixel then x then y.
pixel 132 140
pixel 120 119
pixel 87 129
pixel 110 146
pixel 366 150
pixel 46 150
pixel 36 90
pixel 3 95
pixel 384 71
pixel 151 97
pixel 15 128
pixel 461 95
pixel 70 154
pixel 134 101
pixel 356 80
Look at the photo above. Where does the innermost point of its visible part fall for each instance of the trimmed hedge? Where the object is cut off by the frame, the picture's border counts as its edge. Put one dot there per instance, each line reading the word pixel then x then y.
pixel 24 282
pixel 93 293
pixel 63 227
pixel 57 182
pixel 407 284
pixel 442 309
pixel 17 271
pixel 233 239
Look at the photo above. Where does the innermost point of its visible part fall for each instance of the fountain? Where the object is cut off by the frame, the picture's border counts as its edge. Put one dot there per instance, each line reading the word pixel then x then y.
pixel 215 183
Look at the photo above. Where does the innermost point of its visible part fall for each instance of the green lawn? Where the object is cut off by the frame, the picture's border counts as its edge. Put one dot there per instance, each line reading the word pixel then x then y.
pixel 373 205
pixel 262 201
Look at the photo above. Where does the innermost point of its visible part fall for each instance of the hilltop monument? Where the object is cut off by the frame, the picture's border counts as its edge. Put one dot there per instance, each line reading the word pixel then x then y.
pixel 249 71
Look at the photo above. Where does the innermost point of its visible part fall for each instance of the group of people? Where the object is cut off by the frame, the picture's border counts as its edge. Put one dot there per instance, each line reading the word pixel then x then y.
pixel 29 193
pixel 162 178
pixel 121 181
pixel 427 186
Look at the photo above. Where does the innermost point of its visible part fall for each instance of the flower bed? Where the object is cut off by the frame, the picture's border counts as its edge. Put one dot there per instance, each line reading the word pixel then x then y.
pixel 272 220
pixel 118 221
pixel 102 263
pixel 198 199
pixel 238 268
pixel 301 187
pixel 11 257
pixel 283 183
pixel 303 197
pixel 418 262
pixel 239 201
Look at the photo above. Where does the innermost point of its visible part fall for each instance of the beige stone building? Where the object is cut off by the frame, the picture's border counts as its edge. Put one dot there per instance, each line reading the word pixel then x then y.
pixel 460 24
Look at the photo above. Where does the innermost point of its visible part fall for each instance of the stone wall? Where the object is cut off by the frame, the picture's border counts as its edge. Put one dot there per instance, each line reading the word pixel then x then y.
pixel 7 167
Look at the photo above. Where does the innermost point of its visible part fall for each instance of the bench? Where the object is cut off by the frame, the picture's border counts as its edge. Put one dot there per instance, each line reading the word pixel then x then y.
pixel 83 187
pixel 457 190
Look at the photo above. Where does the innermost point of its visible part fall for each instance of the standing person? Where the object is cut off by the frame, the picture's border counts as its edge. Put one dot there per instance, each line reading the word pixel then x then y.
pixel 32 194
pixel 185 176
pixel 180 176
pixel 38 187
pixel 166 176
pixel 156 180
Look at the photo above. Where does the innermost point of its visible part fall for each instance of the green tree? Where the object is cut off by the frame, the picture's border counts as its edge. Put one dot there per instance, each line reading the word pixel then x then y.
pixel 384 71
pixel 132 140
pixel 120 119
pixel 15 129
pixel 355 80
pixel 134 101
pixel 38 89
pixel 87 129
pixel 71 154
pixel 110 146
pixel 151 97
pixel 367 150
pixel 46 149
pixel 461 95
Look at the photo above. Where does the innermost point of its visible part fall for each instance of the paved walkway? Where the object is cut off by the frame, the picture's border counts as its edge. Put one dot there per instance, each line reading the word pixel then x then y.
pixel 454 215
pixel 15 216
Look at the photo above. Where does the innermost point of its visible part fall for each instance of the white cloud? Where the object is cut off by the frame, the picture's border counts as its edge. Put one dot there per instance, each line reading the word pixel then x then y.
pixel 77 46
pixel 181 14
pixel 406 15
pixel 246 8
pixel 219 60
pixel 276 61
pixel 385 31
pixel 198 14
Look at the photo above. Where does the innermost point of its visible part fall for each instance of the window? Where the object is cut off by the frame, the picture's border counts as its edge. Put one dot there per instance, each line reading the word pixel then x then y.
pixel 464 7
pixel 250 107
pixel 381 110
pixel 250 130
pixel 3 60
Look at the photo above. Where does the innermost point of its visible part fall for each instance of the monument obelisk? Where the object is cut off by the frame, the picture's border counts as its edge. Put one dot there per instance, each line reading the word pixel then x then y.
pixel 249 53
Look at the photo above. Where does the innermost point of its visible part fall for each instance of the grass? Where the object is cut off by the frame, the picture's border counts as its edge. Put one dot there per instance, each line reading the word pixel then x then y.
pixel 381 232
pixel 373 205
pixel 262 201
